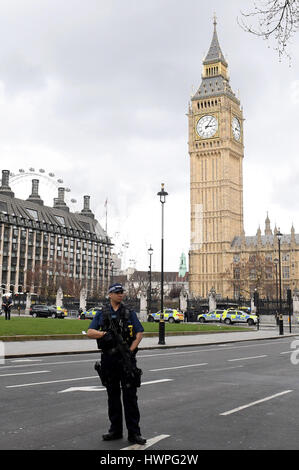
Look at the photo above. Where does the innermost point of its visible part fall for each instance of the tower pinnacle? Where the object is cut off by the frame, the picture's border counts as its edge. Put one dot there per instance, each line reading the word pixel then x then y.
pixel 215 21
pixel 215 54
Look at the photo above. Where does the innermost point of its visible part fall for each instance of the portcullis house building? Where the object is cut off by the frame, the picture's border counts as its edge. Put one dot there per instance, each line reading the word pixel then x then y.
pixel 43 248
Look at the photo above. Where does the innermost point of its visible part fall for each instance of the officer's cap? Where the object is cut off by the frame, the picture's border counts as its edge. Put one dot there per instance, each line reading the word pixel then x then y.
pixel 115 288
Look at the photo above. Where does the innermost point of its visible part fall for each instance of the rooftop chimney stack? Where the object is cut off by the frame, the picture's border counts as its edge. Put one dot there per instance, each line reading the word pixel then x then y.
pixel 86 208
pixel 59 202
pixel 34 196
pixel 4 188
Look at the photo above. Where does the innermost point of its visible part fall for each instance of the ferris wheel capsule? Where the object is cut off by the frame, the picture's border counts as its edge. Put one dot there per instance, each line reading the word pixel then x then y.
pixel 19 179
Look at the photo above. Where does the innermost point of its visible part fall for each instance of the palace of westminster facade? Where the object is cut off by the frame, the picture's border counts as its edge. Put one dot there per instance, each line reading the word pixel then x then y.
pixel 221 256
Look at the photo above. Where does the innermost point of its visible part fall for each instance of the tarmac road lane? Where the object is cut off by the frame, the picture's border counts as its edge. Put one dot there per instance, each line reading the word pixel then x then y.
pixel 203 383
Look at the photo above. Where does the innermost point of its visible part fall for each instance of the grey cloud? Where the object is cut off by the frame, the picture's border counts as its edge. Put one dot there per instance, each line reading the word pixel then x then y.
pixel 109 82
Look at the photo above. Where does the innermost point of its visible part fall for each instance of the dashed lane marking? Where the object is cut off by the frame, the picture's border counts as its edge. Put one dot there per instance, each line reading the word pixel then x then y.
pixel 25 373
pixel 179 367
pixel 235 410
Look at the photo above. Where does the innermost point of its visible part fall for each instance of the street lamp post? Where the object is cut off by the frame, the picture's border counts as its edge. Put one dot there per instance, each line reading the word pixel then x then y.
pixel 162 194
pixel 276 283
pixel 149 297
pixel 279 237
pixel 112 273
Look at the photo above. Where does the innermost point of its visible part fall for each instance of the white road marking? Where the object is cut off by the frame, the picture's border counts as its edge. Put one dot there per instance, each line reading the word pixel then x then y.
pixel 25 373
pixel 179 367
pixel 245 358
pixel 83 389
pixel 223 368
pixel 149 443
pixel 140 355
pixel 77 378
pixel 255 403
pixel 101 389
pixel 50 363
pixel 156 381
pixel 26 360
pixel 53 381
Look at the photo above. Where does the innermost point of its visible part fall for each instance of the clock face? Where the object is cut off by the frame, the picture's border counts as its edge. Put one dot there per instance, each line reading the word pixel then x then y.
pixel 236 127
pixel 207 126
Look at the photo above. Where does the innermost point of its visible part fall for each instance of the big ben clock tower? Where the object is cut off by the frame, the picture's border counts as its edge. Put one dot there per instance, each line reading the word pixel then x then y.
pixel 216 180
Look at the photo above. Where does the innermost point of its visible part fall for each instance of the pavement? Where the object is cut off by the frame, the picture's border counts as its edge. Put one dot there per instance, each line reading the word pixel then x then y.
pixel 14 349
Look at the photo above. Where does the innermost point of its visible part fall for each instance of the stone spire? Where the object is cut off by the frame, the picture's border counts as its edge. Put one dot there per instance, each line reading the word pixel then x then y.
pixel 215 79
pixel 293 238
pixel 215 53
pixel 268 230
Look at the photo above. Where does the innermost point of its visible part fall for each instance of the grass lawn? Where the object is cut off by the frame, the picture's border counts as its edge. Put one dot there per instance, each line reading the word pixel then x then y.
pixel 55 326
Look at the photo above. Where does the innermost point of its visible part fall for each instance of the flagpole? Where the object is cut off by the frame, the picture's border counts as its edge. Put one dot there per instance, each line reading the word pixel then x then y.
pixel 106 215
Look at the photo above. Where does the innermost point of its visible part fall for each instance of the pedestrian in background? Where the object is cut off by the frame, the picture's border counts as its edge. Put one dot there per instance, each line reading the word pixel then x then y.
pixel 6 305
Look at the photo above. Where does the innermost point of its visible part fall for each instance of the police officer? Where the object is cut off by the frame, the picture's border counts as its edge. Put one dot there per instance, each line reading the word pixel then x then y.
pixel 130 328
pixel 6 305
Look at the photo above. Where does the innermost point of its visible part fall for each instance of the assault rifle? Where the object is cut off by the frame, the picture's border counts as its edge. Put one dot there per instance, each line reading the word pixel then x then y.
pixel 132 373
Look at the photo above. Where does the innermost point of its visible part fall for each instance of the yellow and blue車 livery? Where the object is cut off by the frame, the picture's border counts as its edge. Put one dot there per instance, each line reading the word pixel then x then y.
pixel 216 315
pixel 238 316
pixel 170 314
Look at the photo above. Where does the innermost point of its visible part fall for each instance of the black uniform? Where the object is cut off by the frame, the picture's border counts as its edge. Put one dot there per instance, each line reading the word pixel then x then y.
pixel 125 322
pixel 6 305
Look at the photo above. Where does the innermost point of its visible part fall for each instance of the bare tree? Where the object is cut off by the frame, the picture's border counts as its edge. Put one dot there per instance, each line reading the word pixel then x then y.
pixel 255 272
pixel 47 277
pixel 276 19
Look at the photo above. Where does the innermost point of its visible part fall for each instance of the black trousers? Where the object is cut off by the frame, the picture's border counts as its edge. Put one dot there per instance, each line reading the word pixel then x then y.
pixel 112 367
pixel 7 312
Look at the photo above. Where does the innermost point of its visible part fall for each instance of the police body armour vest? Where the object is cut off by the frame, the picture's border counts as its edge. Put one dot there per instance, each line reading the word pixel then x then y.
pixel 121 324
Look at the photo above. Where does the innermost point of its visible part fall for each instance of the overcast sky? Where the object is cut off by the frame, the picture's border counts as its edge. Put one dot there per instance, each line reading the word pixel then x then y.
pixel 97 93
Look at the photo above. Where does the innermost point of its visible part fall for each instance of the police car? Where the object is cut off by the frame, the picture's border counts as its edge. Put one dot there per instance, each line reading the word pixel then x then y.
pixel 238 316
pixel 216 315
pixel 171 315
pixel 89 314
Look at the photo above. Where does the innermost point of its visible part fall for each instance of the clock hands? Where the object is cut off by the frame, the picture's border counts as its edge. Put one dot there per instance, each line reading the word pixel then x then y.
pixel 208 125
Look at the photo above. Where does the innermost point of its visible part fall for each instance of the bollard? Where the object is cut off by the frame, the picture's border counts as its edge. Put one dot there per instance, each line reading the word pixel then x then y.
pixel 281 324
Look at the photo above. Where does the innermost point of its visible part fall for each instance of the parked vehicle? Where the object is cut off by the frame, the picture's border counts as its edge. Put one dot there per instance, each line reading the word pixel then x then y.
pixel 41 310
pixel 238 316
pixel 89 314
pixel 216 315
pixel 171 315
